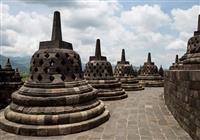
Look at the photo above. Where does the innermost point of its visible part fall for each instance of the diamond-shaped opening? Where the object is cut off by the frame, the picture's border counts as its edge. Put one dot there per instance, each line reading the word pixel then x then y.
pixel 94 75
pixel 31 77
pixel 51 78
pixel 41 62
pixel 57 55
pixel 39 78
pixel 67 55
pixel 73 76
pixel 46 70
pixel 63 62
pixel 46 55
pixel 68 69
pixel 33 62
pixel 38 55
pixel 58 70
pixel 63 77
pixel 35 69
pixel 72 61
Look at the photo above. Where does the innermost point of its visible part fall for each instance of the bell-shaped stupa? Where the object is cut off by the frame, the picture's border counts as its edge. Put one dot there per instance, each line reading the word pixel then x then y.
pixel 191 59
pixel 125 73
pixel 98 72
pixel 54 100
pixel 161 71
pixel 149 75
pixel 10 81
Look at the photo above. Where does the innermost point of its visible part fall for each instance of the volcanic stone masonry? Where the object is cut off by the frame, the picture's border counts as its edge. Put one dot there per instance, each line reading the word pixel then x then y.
pixel 125 73
pixel 98 72
pixel 148 74
pixel 10 81
pixel 54 100
pixel 182 87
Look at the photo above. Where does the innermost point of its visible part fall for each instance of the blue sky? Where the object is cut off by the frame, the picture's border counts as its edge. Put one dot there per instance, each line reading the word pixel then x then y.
pixel 160 27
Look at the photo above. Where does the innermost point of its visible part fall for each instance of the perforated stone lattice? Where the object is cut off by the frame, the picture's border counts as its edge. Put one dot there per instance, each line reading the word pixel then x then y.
pixel 149 70
pixel 46 66
pixel 98 70
pixel 124 70
pixel 194 45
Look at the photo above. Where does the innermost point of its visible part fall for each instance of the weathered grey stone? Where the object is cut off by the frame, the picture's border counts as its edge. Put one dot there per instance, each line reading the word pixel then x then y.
pixel 10 81
pixel 125 73
pixel 182 87
pixel 149 75
pixel 98 72
pixel 55 100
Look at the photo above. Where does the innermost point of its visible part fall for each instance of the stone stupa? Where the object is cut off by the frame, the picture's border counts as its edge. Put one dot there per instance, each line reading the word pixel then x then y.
pixel 10 81
pixel 98 72
pixel 161 71
pixel 148 74
pixel 125 73
pixel 54 100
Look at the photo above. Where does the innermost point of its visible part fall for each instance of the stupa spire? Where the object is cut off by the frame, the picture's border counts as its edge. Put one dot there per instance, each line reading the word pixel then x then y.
pixel 56 32
pixel 8 65
pixel 198 27
pixel 123 57
pixel 98 49
pixel 149 58
pixel 176 60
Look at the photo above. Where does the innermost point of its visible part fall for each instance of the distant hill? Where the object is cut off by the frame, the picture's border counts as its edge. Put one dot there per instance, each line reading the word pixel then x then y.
pixel 22 63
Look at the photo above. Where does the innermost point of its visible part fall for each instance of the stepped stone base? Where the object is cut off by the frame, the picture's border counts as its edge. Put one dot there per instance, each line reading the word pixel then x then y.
pixel 131 84
pixel 151 81
pixel 109 89
pixel 53 130
pixel 53 109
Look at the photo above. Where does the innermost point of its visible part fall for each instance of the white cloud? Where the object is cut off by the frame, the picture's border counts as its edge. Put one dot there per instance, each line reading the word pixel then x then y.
pixel 136 30
pixel 145 17
pixel 186 20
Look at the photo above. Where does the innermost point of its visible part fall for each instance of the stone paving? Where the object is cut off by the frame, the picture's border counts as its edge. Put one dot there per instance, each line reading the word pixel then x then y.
pixel 141 116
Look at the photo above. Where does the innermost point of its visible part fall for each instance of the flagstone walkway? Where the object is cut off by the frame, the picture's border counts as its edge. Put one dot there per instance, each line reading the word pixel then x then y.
pixel 142 116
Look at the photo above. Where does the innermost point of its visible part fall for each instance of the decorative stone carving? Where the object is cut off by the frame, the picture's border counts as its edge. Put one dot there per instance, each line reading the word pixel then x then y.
pixel 55 100
pixel 125 73
pixel 149 75
pixel 10 81
pixel 98 72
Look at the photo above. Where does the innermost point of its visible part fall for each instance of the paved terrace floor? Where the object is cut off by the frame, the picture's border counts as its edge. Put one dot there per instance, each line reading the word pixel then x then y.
pixel 142 116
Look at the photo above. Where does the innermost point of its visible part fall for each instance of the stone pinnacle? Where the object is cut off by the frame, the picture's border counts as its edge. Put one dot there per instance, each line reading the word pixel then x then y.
pixel 149 58
pixel 98 49
pixel 176 61
pixel 123 58
pixel 56 32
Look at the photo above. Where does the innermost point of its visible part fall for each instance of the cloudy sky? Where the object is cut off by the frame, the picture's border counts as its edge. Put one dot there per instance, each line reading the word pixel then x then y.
pixel 157 26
